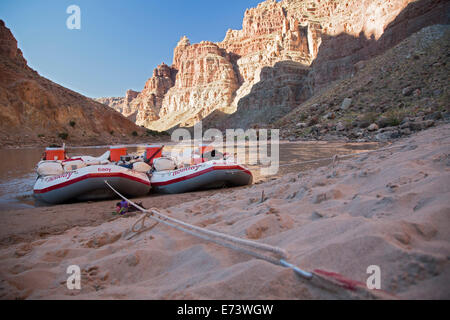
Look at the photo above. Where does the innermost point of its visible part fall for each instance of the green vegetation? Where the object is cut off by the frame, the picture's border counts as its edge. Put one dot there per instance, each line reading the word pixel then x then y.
pixel 306 131
pixel 347 122
pixel 63 135
pixel 303 117
pixel 394 117
pixel 154 133
pixel 370 117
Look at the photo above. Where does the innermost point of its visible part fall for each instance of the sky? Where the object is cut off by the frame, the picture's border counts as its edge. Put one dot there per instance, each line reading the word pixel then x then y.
pixel 119 43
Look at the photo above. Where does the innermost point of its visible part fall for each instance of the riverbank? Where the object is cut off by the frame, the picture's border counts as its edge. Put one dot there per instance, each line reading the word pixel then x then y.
pixel 42 142
pixel 387 208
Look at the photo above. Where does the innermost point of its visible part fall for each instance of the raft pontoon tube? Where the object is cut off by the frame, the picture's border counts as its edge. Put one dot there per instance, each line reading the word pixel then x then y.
pixel 207 175
pixel 88 183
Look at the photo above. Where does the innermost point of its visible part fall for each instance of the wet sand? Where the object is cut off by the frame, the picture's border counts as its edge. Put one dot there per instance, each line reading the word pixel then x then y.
pixel 388 208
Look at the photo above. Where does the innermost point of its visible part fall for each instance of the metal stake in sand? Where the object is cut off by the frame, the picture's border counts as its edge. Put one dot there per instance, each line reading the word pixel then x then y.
pixel 300 272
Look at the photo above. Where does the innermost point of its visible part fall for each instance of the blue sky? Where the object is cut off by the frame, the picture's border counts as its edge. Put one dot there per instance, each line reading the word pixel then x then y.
pixel 120 42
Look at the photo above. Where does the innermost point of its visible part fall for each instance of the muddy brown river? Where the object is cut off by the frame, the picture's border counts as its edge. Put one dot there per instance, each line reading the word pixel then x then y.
pixel 17 174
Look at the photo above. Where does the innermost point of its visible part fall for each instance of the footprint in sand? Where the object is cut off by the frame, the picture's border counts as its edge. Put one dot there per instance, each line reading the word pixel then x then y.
pixel 407 180
pixel 417 267
pixel 409 230
pixel 23 250
pixel 18 268
pixel 334 194
pixel 55 256
pixel 102 240
pixel 93 279
pixel 297 195
pixel 425 230
pixel 269 225
pixel 207 222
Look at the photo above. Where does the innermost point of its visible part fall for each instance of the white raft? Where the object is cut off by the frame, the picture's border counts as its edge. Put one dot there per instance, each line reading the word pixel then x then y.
pixel 207 175
pixel 88 183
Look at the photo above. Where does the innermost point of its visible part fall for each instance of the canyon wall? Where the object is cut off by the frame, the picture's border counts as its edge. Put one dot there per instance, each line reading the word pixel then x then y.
pixel 35 110
pixel 122 104
pixel 205 81
pixel 285 52
pixel 149 102
pixel 339 34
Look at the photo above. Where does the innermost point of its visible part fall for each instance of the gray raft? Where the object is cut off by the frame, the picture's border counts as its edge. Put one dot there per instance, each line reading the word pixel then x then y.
pixel 209 180
pixel 93 189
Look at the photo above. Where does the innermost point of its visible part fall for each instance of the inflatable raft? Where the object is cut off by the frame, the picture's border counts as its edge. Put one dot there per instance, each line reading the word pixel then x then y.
pixel 83 178
pixel 88 183
pixel 207 175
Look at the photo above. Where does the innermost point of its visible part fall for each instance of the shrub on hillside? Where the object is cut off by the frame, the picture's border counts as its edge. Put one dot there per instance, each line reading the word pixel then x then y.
pixel 63 135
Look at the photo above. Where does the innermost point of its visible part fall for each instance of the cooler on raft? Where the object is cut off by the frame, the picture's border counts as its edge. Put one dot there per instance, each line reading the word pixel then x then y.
pixel 116 152
pixel 57 153
pixel 153 152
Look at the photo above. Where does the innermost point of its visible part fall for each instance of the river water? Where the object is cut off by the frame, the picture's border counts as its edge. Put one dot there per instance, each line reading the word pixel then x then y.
pixel 17 173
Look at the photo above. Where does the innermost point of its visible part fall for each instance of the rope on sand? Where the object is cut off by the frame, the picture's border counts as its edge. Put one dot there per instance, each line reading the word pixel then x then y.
pixel 222 239
pixel 142 228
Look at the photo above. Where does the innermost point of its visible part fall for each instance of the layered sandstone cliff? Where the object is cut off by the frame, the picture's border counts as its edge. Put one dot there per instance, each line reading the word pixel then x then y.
pixel 122 104
pixel 36 110
pixel 327 37
pixel 285 52
pixel 148 103
pixel 205 81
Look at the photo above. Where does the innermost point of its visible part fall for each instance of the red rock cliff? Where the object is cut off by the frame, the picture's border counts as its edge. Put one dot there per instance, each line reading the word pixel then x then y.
pixel 305 44
pixel 36 110
pixel 148 103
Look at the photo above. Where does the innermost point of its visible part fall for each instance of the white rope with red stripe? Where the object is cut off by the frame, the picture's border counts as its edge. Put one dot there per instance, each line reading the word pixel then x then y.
pixel 261 246
pixel 210 235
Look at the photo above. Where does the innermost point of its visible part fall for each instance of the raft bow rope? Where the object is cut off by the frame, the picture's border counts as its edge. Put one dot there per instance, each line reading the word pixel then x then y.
pixel 225 240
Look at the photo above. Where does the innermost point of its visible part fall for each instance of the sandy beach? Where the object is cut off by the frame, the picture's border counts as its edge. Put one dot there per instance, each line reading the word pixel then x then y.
pixel 389 208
